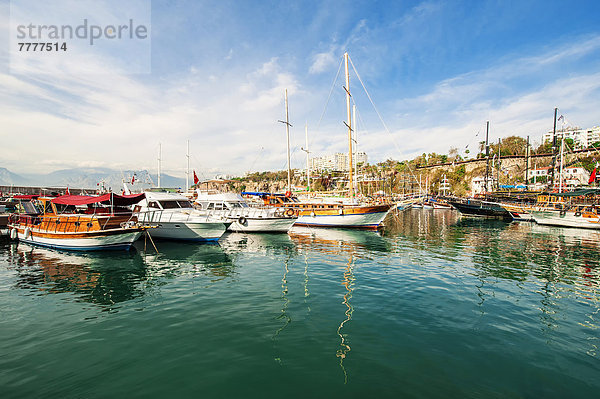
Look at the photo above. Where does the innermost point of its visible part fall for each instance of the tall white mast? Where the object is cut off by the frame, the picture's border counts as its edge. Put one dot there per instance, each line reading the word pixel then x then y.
pixel 307 157
pixel 287 131
pixel 349 124
pixel 562 150
pixel 187 172
pixel 159 156
pixel 355 147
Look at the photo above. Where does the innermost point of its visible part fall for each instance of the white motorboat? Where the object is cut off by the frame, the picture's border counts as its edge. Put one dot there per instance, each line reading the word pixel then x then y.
pixel 581 217
pixel 175 218
pixel 244 217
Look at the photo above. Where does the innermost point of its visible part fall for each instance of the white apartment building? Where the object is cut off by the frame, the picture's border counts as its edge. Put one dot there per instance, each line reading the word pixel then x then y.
pixel 337 161
pixel 583 138
pixel 571 176
pixel 478 184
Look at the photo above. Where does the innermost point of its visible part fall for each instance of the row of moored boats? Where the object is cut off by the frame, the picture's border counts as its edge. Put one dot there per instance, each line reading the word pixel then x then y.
pixel 112 221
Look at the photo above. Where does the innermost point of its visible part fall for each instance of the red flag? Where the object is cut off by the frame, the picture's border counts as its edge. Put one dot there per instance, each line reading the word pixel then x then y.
pixel 196 181
pixel 67 192
pixel 593 176
pixel 132 179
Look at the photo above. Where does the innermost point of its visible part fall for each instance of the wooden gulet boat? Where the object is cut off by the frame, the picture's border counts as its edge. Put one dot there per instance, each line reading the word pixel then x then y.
pixel 328 212
pixel 75 222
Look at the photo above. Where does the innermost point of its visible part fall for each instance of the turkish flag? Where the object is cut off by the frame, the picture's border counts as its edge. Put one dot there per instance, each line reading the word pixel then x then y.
pixel 196 181
pixel 593 176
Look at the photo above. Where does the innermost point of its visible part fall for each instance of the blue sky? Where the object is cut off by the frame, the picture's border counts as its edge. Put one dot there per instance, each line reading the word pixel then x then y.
pixel 436 71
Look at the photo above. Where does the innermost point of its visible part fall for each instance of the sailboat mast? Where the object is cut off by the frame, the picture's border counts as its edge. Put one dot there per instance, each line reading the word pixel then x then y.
pixel 553 151
pixel 187 173
pixel 487 157
pixel 349 124
pixel 287 131
pixel 355 147
pixel 499 166
pixel 159 156
pixel 527 165
pixel 307 157
pixel 562 152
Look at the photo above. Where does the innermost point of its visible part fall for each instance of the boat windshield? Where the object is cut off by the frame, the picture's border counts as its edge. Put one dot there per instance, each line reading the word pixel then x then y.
pixel 185 204
pixel 169 204
pixel 238 204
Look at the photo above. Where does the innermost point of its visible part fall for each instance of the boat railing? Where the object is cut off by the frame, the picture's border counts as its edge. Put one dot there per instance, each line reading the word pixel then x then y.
pixel 72 222
pixel 160 216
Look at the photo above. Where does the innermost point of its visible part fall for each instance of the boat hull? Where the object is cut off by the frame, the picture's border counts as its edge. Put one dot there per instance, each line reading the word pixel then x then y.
pixel 189 231
pixel 371 218
pixel 481 209
pixel 566 219
pixel 256 225
pixel 92 241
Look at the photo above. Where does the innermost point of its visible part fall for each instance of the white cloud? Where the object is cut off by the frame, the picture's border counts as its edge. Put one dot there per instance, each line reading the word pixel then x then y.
pixel 322 62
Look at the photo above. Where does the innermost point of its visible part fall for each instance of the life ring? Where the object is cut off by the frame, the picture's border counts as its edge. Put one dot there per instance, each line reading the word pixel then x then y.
pixel 577 213
pixel 288 194
pixel 27 233
pixel 242 220
pixel 289 213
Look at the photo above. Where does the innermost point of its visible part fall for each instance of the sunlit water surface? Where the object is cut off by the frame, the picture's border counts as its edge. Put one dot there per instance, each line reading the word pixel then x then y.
pixel 435 306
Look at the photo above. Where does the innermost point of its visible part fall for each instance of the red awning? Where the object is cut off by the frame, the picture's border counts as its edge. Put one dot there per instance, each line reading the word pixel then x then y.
pixel 117 200
pixel 26 197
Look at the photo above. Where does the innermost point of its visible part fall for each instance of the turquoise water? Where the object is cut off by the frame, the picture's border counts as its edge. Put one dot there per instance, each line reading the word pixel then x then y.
pixel 436 306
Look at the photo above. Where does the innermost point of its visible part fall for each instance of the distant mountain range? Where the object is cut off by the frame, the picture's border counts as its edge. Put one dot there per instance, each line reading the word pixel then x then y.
pixel 89 178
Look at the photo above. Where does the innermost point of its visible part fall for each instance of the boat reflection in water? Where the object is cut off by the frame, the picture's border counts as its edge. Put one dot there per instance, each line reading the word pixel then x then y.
pixel 187 258
pixel 99 278
pixel 335 241
pixel 256 243
pixel 110 278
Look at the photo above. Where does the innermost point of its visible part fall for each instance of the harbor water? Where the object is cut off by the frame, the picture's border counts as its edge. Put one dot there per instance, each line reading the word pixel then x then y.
pixel 434 306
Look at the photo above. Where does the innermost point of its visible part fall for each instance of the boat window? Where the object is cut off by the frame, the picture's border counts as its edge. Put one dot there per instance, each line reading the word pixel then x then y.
pixel 219 206
pixel 65 208
pixel 211 206
pixel 30 208
pixel 153 204
pixel 185 204
pixel 47 207
pixel 169 204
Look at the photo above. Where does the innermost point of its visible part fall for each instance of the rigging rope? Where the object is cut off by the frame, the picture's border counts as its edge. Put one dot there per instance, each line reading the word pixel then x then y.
pixel 383 123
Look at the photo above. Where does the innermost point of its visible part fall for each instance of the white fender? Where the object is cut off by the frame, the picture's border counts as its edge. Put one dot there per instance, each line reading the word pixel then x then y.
pixel 27 232
pixel 13 233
